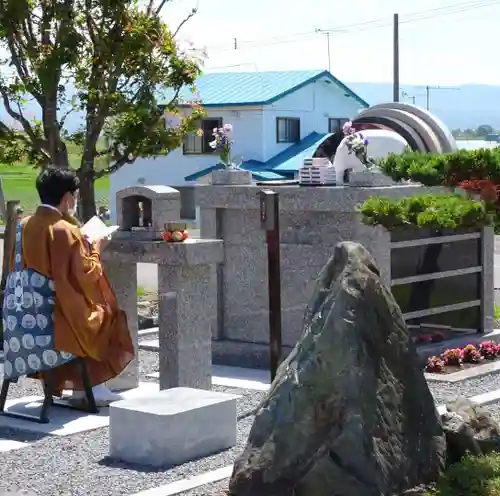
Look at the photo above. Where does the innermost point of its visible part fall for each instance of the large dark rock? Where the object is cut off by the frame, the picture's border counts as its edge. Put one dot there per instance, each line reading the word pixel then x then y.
pixel 349 413
pixel 469 429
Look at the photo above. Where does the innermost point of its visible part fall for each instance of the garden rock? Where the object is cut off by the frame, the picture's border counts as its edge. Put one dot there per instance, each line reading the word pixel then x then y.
pixel 349 412
pixel 469 428
pixel 147 314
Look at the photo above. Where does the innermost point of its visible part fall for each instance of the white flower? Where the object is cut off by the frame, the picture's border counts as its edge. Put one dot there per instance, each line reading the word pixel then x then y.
pixel 213 144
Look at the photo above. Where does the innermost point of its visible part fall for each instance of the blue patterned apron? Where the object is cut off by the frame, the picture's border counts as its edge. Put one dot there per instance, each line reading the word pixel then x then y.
pixel 28 321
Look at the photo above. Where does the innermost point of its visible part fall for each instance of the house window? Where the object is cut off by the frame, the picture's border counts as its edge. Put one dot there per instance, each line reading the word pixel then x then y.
pixel 197 145
pixel 335 125
pixel 287 130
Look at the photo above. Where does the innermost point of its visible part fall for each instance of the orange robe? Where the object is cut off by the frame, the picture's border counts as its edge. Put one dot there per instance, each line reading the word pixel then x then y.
pixel 87 320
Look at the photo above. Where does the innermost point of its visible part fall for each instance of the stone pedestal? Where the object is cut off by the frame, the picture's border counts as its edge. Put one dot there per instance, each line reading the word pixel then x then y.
pixel 369 178
pixel 123 278
pixel 186 294
pixel 172 427
pixel 231 177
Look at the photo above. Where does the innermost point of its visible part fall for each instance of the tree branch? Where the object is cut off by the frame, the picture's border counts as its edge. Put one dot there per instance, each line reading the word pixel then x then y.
pixel 191 14
pixel 62 120
pixel 160 7
pixel 36 142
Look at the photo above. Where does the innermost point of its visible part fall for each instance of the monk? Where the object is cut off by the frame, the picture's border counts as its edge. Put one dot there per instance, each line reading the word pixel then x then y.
pixel 87 322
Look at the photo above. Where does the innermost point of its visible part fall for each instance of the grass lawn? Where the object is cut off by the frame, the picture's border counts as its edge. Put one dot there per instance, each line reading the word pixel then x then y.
pixel 19 183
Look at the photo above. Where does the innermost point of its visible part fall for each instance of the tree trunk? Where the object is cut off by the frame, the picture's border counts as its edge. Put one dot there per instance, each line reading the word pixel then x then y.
pixel 86 204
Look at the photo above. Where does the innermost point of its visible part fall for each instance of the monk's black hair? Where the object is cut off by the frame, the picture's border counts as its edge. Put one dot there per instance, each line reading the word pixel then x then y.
pixel 53 183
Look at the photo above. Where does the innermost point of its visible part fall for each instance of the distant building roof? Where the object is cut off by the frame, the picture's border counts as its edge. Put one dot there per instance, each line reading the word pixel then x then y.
pixel 231 89
pixel 292 158
pixel 281 166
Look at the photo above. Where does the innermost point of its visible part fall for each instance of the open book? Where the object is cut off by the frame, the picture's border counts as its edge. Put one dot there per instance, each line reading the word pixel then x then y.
pixel 95 229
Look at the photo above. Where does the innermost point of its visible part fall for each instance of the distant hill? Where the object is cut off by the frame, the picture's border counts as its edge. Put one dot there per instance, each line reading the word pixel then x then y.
pixel 467 106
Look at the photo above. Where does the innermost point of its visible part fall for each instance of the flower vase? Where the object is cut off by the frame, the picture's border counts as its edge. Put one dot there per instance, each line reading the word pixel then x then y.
pixel 372 177
pixel 231 176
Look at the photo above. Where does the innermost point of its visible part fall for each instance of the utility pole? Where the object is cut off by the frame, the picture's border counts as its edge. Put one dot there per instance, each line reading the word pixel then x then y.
pixel 327 33
pixel 429 89
pixel 396 58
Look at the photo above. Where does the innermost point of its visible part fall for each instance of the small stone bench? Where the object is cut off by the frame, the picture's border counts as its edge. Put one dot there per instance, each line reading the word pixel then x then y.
pixel 172 426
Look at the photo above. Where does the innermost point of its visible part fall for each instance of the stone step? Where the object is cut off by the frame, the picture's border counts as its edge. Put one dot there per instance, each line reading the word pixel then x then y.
pixel 172 427
pixel 150 333
pixel 149 345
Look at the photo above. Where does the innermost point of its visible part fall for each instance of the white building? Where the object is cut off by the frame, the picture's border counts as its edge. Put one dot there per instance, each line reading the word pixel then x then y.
pixel 277 118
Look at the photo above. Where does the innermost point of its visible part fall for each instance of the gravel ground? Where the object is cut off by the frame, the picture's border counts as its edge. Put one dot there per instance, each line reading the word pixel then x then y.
pixel 78 465
pixel 443 391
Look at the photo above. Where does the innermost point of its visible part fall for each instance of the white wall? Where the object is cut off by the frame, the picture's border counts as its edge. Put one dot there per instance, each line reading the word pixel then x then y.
pixel 313 104
pixel 171 169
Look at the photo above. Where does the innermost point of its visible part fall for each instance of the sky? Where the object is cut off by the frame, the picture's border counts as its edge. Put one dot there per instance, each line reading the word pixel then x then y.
pixel 442 42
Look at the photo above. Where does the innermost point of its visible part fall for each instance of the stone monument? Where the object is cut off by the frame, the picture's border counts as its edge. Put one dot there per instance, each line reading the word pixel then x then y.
pixel 184 285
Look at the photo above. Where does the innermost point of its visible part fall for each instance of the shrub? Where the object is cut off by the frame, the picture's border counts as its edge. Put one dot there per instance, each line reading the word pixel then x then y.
pixel 452 356
pixel 448 169
pixel 435 365
pixel 476 171
pixel 470 354
pixel 433 212
pixel 472 476
pixel 489 350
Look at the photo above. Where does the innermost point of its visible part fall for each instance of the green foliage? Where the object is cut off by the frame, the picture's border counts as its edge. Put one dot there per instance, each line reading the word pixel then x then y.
pixel 433 212
pixel 115 61
pixel 496 313
pixel 472 476
pixel 446 169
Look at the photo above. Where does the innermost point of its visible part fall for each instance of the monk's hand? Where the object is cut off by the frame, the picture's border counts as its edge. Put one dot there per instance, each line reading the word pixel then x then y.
pixel 101 243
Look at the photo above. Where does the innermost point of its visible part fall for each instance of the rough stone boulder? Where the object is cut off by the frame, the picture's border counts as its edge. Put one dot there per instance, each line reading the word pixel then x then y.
pixel 469 429
pixel 349 413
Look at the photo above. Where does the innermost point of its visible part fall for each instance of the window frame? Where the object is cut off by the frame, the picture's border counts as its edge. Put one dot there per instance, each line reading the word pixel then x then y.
pixel 340 121
pixel 205 148
pixel 287 139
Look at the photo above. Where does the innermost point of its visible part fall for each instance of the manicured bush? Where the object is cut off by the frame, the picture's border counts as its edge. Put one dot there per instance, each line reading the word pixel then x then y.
pixel 448 169
pixel 433 212
pixel 475 171
pixel 472 476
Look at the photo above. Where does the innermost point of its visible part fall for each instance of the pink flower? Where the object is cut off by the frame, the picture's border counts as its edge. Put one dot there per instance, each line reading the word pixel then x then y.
pixel 228 128
pixel 347 127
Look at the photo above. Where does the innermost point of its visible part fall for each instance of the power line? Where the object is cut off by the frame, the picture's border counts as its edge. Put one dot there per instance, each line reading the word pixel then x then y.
pixel 362 26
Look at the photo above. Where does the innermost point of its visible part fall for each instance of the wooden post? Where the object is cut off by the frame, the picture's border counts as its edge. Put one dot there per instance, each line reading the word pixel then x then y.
pixel 270 222
pixel 3 206
pixel 13 212
pixel 12 216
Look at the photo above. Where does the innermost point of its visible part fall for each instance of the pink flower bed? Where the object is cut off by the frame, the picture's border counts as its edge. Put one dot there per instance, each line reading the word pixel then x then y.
pixel 456 357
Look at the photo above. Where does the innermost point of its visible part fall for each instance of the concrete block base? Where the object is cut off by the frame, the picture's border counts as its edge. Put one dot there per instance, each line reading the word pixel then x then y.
pixel 172 427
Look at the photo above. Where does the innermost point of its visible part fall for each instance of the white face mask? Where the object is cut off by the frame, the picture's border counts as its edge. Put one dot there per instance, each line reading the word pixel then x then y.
pixel 72 211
